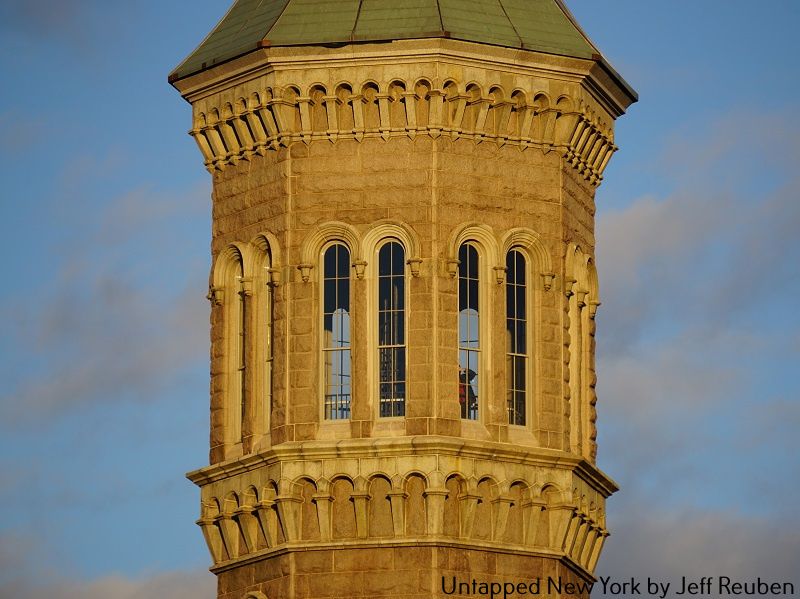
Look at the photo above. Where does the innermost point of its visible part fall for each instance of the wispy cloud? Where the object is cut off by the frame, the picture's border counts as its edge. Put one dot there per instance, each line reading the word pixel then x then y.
pixel 695 342
pixel 123 314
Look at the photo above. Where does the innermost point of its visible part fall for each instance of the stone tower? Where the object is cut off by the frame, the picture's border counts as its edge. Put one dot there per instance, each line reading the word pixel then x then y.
pixel 403 296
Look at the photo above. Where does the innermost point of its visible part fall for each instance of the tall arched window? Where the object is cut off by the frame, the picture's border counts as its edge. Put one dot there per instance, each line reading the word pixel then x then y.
pixel 469 345
pixel 517 337
pixel 241 345
pixel 391 329
pixel 336 332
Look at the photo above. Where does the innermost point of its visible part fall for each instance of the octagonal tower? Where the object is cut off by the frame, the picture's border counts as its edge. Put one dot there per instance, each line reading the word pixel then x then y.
pixel 403 295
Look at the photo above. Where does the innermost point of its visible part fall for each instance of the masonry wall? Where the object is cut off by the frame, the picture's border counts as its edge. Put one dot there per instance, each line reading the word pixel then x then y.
pixel 434 187
pixel 393 573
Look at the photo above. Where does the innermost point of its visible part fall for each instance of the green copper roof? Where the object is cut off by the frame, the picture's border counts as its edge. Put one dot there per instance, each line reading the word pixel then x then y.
pixel 541 25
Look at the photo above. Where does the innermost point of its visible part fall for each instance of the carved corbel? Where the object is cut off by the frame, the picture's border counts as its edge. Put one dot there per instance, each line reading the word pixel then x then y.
pixel 331 103
pixel 547 280
pixel 435 111
pixel 359 266
pixel 569 286
pixel 289 514
pixel 213 537
pixel 468 503
pixel 268 518
pixel 597 549
pixel 414 264
pixel 383 115
pixel 593 305
pixel 248 522
pixel 360 501
pixel 560 522
pixel 502 507
pixel 215 295
pixel 434 506
pixel 246 286
pixel 411 99
pixel 397 501
pixel 323 501
pixel 274 277
pixel 532 510
pixel 452 267
pixel 305 271
pixel 304 104
pixel 581 298
pixel 230 534
pixel 500 274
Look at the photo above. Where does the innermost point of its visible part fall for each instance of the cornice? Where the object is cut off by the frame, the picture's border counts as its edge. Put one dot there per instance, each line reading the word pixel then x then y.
pixel 403 446
pixel 261 116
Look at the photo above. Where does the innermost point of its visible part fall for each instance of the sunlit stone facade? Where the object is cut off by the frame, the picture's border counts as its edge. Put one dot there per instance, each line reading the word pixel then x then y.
pixel 403 295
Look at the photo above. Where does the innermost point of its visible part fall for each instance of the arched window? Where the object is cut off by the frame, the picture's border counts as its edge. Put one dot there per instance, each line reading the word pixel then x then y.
pixel 469 344
pixel 336 332
pixel 391 329
pixel 517 337
pixel 241 345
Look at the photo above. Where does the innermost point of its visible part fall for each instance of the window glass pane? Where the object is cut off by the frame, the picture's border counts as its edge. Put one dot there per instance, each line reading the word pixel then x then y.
pixel 516 331
pixel 468 331
pixel 385 260
pixel 398 292
pixel 391 329
pixel 336 332
pixel 342 261
pixel 330 262
pixel 398 259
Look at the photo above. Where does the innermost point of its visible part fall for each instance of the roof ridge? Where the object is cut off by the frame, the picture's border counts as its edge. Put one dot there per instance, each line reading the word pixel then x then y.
pixel 568 13
pixel 510 22
pixel 355 23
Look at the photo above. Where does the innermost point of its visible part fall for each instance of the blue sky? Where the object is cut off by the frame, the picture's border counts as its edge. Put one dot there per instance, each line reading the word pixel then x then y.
pixel 104 215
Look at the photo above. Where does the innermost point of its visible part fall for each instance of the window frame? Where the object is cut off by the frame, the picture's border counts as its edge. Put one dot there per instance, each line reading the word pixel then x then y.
pixel 531 318
pixel 483 350
pixel 323 349
pixel 374 316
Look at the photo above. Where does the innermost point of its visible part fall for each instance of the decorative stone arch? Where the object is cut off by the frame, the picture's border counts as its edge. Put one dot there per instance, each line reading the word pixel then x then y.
pixel 458 506
pixel 396 94
pixel 227 291
pixel 380 499
pixel 324 234
pixel 487 490
pixel 593 286
pixel 315 105
pixel 345 507
pixel 255 595
pixel 226 260
pixel 529 241
pixel 552 491
pixel 574 264
pixel 231 503
pixel 480 234
pixel 387 229
pixel 415 486
pixel 345 118
pixel 519 516
pixel 250 497
pixel 368 114
pixel 266 244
